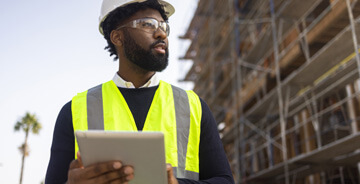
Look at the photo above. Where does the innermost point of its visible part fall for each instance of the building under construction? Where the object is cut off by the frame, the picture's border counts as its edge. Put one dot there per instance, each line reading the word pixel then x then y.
pixel 281 77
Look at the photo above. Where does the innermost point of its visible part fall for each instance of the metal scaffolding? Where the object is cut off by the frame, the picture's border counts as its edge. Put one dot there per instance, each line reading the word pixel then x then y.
pixel 282 79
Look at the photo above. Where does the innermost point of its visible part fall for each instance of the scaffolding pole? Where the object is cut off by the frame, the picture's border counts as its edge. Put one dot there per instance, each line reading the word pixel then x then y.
pixel 238 129
pixel 356 47
pixel 279 91
pixel 353 32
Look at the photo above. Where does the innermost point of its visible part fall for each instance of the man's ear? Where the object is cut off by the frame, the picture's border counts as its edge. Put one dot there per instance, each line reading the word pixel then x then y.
pixel 116 38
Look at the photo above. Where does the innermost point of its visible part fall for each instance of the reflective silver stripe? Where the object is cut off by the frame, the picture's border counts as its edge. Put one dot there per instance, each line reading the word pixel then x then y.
pixel 95 116
pixel 182 112
pixel 187 174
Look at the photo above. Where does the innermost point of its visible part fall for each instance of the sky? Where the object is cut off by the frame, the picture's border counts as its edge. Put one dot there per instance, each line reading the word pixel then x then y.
pixel 49 51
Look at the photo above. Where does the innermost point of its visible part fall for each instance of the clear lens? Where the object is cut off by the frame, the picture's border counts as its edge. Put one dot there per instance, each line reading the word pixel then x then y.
pixel 167 28
pixel 149 25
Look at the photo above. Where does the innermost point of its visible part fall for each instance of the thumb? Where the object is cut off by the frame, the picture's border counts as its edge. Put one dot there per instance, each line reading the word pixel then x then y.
pixel 170 174
pixel 169 169
pixel 76 163
pixel 79 158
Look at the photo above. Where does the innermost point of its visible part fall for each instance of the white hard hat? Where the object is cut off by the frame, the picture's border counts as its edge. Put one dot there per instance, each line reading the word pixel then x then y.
pixel 110 5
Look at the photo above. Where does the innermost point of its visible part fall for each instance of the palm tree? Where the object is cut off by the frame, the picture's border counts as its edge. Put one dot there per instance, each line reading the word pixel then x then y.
pixel 27 123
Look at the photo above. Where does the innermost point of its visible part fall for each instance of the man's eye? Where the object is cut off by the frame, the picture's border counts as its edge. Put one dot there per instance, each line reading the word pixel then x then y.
pixel 147 24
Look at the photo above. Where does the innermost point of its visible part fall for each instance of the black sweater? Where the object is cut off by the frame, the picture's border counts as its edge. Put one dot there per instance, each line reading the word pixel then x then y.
pixel 213 164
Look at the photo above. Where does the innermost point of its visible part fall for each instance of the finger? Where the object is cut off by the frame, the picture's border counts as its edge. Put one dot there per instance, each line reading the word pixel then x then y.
pixel 79 158
pixel 169 171
pixel 127 173
pixel 75 164
pixel 168 167
pixel 119 176
pixel 122 180
pixel 75 171
pixel 96 170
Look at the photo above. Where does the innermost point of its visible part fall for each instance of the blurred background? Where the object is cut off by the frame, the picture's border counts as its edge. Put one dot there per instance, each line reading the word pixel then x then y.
pixel 280 76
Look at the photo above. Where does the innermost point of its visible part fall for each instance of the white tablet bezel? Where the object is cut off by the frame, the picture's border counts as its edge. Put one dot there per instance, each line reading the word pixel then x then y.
pixel 143 150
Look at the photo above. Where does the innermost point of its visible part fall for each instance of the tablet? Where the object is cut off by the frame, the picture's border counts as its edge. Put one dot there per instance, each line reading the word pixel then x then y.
pixel 143 150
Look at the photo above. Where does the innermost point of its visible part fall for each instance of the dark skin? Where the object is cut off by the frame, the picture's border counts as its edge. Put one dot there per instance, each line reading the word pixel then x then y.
pixel 114 172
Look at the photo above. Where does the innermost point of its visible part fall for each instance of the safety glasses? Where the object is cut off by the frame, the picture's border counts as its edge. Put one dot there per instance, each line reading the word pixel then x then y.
pixel 149 25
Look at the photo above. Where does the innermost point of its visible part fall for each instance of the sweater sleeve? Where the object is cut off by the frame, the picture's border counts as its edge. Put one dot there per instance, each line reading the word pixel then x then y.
pixel 62 149
pixel 213 164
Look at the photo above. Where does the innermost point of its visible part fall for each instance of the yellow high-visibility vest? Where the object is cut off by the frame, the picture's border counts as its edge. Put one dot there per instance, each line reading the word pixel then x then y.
pixel 175 112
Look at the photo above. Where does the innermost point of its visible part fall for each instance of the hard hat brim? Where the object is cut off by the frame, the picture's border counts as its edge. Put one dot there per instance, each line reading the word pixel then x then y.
pixel 168 8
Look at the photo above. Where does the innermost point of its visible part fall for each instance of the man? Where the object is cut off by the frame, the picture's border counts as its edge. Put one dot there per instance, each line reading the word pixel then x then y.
pixel 135 99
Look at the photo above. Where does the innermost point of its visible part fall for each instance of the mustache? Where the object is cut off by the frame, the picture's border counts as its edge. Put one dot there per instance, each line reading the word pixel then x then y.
pixel 157 42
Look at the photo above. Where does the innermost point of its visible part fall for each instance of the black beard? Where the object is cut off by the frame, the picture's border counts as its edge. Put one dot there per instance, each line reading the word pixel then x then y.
pixel 144 59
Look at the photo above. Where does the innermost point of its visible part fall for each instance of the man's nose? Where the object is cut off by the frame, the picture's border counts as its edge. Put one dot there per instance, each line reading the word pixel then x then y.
pixel 160 34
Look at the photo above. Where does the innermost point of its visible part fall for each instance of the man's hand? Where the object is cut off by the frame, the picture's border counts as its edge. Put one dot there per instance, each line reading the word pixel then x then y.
pixel 170 174
pixel 108 172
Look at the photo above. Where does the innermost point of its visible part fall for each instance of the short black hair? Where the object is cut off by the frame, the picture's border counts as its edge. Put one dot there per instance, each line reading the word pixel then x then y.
pixel 119 15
